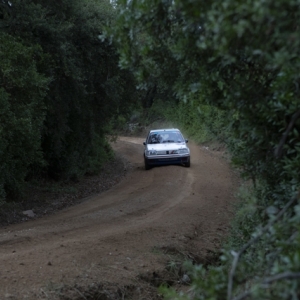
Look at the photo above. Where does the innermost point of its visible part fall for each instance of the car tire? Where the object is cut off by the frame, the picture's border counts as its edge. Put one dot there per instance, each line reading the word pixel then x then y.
pixel 188 164
pixel 147 166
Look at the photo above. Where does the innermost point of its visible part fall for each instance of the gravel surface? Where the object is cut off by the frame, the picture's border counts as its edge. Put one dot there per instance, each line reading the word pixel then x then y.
pixel 129 233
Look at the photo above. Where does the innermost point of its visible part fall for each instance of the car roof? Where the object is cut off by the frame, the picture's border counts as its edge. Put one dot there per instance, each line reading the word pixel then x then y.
pixel 163 129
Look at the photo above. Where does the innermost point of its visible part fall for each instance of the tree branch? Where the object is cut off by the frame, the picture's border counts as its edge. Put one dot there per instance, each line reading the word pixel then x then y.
pixel 278 150
pixel 267 281
pixel 278 251
pixel 238 254
pixel 285 275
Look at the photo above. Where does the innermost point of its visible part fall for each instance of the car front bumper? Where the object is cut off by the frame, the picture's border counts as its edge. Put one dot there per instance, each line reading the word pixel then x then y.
pixel 167 160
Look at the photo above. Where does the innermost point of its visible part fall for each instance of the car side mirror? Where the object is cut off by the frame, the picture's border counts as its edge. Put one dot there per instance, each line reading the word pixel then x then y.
pixel 144 143
pixel 186 141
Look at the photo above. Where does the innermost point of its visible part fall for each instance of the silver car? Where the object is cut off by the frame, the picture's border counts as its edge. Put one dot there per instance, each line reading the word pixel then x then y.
pixel 166 146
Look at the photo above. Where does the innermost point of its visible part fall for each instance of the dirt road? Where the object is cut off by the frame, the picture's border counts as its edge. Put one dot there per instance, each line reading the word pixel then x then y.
pixel 121 240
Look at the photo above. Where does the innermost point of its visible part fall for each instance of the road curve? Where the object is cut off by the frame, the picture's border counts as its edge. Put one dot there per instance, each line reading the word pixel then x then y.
pixel 111 237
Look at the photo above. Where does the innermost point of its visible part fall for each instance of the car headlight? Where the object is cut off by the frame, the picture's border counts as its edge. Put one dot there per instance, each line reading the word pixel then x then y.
pixel 151 152
pixel 183 151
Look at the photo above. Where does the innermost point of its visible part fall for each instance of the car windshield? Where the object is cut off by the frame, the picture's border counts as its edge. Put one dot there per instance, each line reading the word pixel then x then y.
pixel 160 137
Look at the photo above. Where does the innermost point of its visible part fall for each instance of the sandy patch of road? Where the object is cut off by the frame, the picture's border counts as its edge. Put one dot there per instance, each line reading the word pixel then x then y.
pixel 123 235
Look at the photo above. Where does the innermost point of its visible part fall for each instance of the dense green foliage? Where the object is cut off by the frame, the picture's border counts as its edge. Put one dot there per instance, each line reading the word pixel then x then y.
pixel 199 121
pixel 61 90
pixel 22 110
pixel 238 60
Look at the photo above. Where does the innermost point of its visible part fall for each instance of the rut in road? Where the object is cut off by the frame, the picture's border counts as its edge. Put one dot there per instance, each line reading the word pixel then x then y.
pixel 112 236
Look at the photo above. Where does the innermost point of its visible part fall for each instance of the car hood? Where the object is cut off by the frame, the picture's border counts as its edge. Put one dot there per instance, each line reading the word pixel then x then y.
pixel 166 146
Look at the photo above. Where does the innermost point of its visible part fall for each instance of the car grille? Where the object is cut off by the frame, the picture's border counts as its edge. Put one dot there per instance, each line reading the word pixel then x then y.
pixel 168 159
pixel 162 152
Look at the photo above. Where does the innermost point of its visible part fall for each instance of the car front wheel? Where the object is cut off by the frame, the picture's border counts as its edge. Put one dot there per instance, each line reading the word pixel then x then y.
pixel 147 166
pixel 188 164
